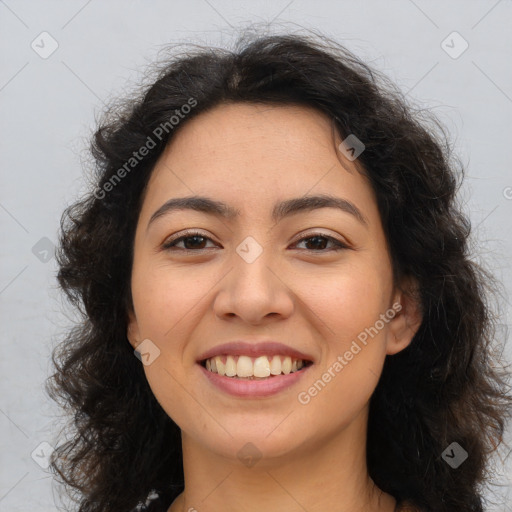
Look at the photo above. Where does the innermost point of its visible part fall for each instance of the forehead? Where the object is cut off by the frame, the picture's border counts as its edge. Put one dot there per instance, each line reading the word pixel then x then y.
pixel 252 129
pixel 252 155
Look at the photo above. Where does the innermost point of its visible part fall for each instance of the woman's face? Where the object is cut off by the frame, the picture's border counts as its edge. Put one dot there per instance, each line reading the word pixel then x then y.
pixel 315 279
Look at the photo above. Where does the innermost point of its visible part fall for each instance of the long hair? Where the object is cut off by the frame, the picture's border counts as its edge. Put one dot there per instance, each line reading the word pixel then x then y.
pixel 444 387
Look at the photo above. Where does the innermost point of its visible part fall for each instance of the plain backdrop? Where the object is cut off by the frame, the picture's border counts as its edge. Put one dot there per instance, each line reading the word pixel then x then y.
pixel 61 61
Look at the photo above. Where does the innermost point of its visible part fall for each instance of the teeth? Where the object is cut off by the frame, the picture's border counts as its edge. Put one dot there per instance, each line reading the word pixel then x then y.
pixel 286 367
pixel 259 367
pixel 230 367
pixel 244 366
pixel 275 366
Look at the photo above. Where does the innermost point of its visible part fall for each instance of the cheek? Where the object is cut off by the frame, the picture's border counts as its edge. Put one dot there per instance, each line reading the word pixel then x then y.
pixel 354 347
pixel 349 301
pixel 163 300
pixel 164 307
pixel 350 304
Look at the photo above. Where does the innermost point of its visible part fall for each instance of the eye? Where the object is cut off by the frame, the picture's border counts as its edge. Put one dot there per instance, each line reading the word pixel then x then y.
pixel 317 241
pixel 195 240
pixel 196 237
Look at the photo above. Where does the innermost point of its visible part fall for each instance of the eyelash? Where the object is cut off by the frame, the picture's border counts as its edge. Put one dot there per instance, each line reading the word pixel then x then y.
pixel 171 243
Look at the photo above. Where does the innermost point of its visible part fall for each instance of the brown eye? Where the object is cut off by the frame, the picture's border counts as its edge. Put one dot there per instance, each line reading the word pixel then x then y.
pixel 192 241
pixel 320 241
pixel 195 241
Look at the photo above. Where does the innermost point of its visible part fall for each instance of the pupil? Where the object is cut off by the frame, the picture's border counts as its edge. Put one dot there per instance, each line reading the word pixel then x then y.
pixel 196 238
pixel 322 239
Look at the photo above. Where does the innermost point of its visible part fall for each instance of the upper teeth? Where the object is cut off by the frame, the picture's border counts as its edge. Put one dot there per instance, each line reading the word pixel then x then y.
pixel 245 366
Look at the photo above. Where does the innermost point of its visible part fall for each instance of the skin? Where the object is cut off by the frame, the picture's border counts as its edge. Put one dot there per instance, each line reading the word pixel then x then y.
pixel 306 295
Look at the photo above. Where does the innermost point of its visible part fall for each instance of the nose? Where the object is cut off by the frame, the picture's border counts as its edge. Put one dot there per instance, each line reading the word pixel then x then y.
pixel 254 290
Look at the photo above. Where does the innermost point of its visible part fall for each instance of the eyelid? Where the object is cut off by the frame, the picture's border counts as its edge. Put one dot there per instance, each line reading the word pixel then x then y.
pixel 185 234
pixel 339 239
pixel 339 244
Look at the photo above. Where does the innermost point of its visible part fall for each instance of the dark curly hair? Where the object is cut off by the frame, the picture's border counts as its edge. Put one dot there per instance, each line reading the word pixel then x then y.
pixel 445 386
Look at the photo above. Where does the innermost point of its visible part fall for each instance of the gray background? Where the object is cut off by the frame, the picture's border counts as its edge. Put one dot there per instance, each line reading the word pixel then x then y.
pixel 47 111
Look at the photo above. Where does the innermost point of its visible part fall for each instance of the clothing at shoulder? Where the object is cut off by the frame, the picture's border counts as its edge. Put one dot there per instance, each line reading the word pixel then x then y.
pixel 406 506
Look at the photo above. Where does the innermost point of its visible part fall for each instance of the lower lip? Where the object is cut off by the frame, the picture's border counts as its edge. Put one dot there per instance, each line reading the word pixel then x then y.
pixel 254 388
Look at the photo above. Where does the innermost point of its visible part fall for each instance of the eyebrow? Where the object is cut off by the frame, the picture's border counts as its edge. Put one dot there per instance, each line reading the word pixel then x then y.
pixel 281 210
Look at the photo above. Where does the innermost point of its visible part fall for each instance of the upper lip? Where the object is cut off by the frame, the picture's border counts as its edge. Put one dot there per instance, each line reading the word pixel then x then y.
pixel 265 348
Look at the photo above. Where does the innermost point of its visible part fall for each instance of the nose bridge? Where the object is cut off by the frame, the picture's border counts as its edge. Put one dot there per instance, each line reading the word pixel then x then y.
pixel 253 288
pixel 252 261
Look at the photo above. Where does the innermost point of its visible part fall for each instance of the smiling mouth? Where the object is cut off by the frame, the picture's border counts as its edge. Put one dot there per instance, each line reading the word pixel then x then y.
pixel 254 368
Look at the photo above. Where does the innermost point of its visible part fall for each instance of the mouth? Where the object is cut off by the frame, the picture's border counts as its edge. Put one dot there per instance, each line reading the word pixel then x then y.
pixel 244 367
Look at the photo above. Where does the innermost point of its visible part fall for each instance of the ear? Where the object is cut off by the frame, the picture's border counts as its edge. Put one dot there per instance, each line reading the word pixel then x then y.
pixel 132 331
pixel 408 316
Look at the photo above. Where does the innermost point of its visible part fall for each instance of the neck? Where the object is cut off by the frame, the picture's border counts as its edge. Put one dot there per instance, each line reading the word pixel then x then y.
pixel 330 476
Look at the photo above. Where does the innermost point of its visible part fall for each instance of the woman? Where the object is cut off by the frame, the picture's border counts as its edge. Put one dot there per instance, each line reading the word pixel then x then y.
pixel 274 235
